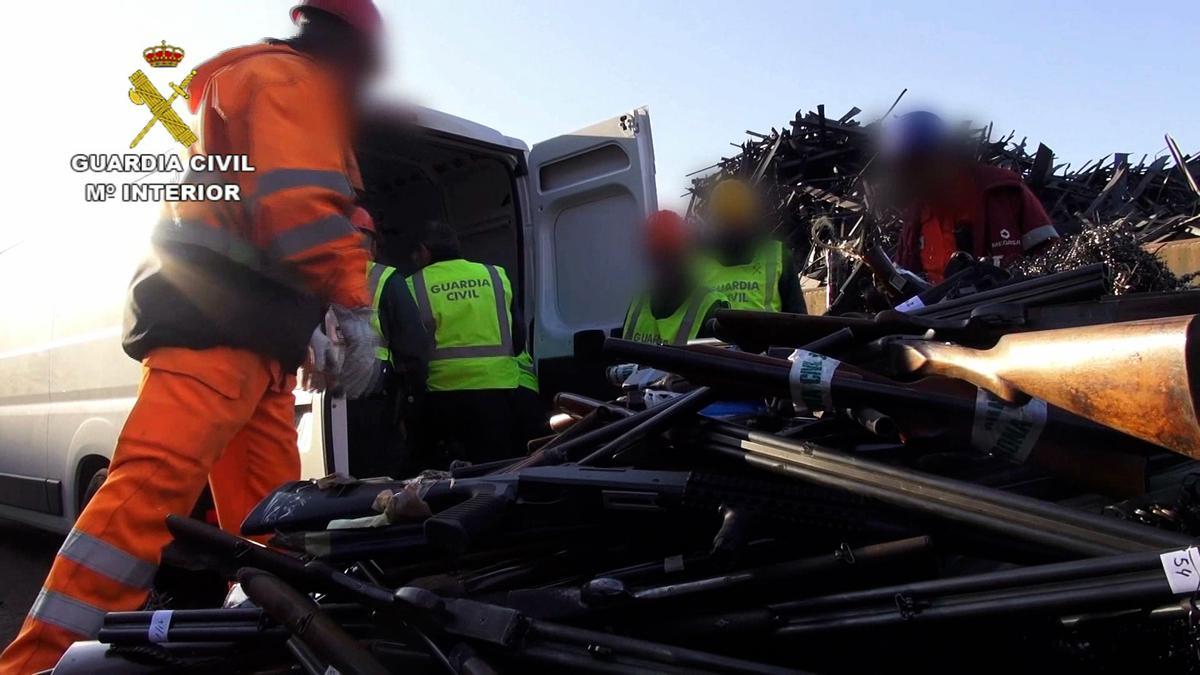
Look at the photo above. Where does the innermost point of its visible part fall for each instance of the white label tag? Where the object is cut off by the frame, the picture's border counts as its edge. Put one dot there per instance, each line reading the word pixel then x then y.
pixel 1005 430
pixel 809 381
pixel 160 624
pixel 912 304
pixel 1182 568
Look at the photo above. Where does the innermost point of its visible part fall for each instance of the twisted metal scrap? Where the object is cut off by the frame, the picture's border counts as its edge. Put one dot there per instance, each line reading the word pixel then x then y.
pixel 812 170
pixel 1130 267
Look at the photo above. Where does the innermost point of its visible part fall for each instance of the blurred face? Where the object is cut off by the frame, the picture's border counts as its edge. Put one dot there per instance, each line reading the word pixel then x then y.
pixel 370 243
pixel 921 176
pixel 421 257
pixel 353 56
pixel 735 233
pixel 358 68
pixel 668 268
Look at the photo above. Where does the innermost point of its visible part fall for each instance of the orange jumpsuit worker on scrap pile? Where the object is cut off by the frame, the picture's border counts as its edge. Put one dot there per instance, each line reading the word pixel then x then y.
pixel 955 203
pixel 221 316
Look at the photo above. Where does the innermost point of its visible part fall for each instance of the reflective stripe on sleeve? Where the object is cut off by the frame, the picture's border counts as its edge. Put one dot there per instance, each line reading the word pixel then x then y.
pixel 304 237
pixel 219 241
pixel 103 558
pixel 279 180
pixel 1038 235
pixel 201 177
pixel 67 613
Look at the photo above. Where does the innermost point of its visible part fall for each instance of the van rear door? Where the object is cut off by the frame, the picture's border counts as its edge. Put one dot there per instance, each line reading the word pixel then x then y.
pixel 591 191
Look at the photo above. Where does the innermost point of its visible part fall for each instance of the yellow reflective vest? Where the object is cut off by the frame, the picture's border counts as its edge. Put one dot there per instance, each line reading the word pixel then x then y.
pixel 754 285
pixel 377 277
pixel 464 307
pixel 683 325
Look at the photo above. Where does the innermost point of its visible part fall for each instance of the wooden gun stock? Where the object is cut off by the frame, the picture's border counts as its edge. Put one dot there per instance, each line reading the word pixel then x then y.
pixel 1135 376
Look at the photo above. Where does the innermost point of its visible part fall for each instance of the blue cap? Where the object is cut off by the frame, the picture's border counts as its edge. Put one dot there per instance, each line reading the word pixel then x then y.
pixel 914 133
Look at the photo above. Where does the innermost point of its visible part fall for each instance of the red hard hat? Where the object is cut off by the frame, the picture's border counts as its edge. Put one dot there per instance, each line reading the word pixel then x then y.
pixel 361 15
pixel 362 221
pixel 666 232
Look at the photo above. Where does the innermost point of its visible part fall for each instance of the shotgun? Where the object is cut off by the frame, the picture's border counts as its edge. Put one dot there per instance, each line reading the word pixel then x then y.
pixel 1137 377
pixel 987 323
pixel 930 410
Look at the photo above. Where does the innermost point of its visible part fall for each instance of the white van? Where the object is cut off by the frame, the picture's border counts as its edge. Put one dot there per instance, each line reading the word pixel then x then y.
pixel 560 217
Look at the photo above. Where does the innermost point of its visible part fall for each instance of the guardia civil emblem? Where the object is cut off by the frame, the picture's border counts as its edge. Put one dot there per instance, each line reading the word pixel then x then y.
pixel 145 93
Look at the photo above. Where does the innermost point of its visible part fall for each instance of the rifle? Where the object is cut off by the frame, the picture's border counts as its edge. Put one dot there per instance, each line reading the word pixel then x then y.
pixel 1138 377
pixel 1045 436
pixel 507 631
pixel 607 594
pixel 1119 581
pixel 308 623
pixel 562 647
pixel 619 434
pixel 1083 283
pixel 1032 520
pixel 897 282
pixel 469 510
pixel 987 323
pixel 234 624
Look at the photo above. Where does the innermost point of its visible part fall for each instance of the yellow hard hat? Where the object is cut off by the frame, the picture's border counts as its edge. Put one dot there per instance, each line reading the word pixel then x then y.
pixel 734 204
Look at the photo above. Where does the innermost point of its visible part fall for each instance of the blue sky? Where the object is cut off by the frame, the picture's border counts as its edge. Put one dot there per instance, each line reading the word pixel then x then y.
pixel 1087 78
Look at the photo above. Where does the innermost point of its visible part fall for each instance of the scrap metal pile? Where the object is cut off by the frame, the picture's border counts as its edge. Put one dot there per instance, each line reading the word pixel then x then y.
pixel 816 172
pixel 989 483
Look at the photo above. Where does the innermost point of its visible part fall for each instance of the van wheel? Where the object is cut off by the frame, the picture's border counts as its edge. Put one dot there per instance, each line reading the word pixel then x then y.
pixel 93 487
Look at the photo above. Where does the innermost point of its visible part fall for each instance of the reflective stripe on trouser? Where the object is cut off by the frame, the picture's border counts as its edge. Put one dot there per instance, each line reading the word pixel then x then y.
pixel 222 411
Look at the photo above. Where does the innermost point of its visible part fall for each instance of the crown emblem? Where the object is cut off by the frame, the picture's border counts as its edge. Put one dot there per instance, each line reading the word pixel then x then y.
pixel 163 55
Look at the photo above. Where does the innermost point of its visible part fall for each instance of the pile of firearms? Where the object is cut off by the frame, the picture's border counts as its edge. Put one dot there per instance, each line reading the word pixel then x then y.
pixel 817 172
pixel 993 483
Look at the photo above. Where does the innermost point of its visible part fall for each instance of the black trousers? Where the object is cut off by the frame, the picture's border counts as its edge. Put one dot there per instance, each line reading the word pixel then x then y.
pixel 376 438
pixel 478 426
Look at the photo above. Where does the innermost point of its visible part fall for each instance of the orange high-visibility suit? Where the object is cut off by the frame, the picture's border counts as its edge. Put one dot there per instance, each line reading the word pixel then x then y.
pixel 220 316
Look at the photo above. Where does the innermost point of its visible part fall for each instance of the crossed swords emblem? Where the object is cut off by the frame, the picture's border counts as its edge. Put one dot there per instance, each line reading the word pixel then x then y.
pixel 145 93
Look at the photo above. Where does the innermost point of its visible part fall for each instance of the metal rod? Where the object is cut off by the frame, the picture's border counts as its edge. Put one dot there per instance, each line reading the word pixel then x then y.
pixel 667 415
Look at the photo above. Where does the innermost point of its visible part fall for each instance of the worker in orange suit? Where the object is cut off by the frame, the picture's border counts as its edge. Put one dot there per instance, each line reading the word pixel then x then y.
pixel 222 314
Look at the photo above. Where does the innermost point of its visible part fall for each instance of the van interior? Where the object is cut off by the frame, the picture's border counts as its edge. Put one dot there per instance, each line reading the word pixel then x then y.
pixel 411 176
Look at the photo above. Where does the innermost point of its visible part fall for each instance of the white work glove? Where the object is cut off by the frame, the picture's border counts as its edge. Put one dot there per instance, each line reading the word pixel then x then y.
pixel 360 370
pixel 323 362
